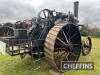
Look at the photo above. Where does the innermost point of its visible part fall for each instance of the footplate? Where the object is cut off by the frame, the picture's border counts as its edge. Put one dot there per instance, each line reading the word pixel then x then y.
pixel 16 46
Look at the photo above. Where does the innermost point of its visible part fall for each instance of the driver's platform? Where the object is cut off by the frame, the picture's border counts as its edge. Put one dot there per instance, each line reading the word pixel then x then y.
pixel 16 46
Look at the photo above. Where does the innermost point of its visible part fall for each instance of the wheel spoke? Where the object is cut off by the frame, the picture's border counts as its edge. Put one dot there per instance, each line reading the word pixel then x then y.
pixel 68 30
pixel 68 33
pixel 59 44
pixel 7 33
pixel 44 13
pixel 60 49
pixel 62 41
pixel 65 37
pixel 73 36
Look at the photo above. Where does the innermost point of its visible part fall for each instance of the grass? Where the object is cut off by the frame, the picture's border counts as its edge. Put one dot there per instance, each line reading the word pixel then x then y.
pixel 17 66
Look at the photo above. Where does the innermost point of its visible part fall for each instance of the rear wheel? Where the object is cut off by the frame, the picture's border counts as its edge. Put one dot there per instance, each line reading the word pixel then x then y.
pixel 63 43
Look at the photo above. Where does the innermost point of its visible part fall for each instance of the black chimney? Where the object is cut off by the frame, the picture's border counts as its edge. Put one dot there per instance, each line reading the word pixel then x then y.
pixel 76 4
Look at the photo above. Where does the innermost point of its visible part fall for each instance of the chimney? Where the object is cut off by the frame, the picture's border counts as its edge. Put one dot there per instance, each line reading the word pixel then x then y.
pixel 76 4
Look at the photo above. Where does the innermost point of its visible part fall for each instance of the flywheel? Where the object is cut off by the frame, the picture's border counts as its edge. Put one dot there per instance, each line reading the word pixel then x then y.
pixel 63 43
pixel 6 31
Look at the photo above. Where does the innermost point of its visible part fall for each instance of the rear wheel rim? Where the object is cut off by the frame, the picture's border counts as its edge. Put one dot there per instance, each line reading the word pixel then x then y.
pixel 67 45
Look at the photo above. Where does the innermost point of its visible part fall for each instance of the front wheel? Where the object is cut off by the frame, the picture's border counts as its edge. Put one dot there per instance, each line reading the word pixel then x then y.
pixel 86 45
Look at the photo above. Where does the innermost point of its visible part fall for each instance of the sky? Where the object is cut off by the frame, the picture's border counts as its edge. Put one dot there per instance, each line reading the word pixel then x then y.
pixel 14 10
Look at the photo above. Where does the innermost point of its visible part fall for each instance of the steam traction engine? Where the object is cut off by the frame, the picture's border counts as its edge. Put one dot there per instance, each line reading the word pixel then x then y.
pixel 53 34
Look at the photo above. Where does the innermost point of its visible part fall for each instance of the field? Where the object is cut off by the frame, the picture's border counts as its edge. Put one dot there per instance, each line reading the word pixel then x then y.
pixel 17 66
